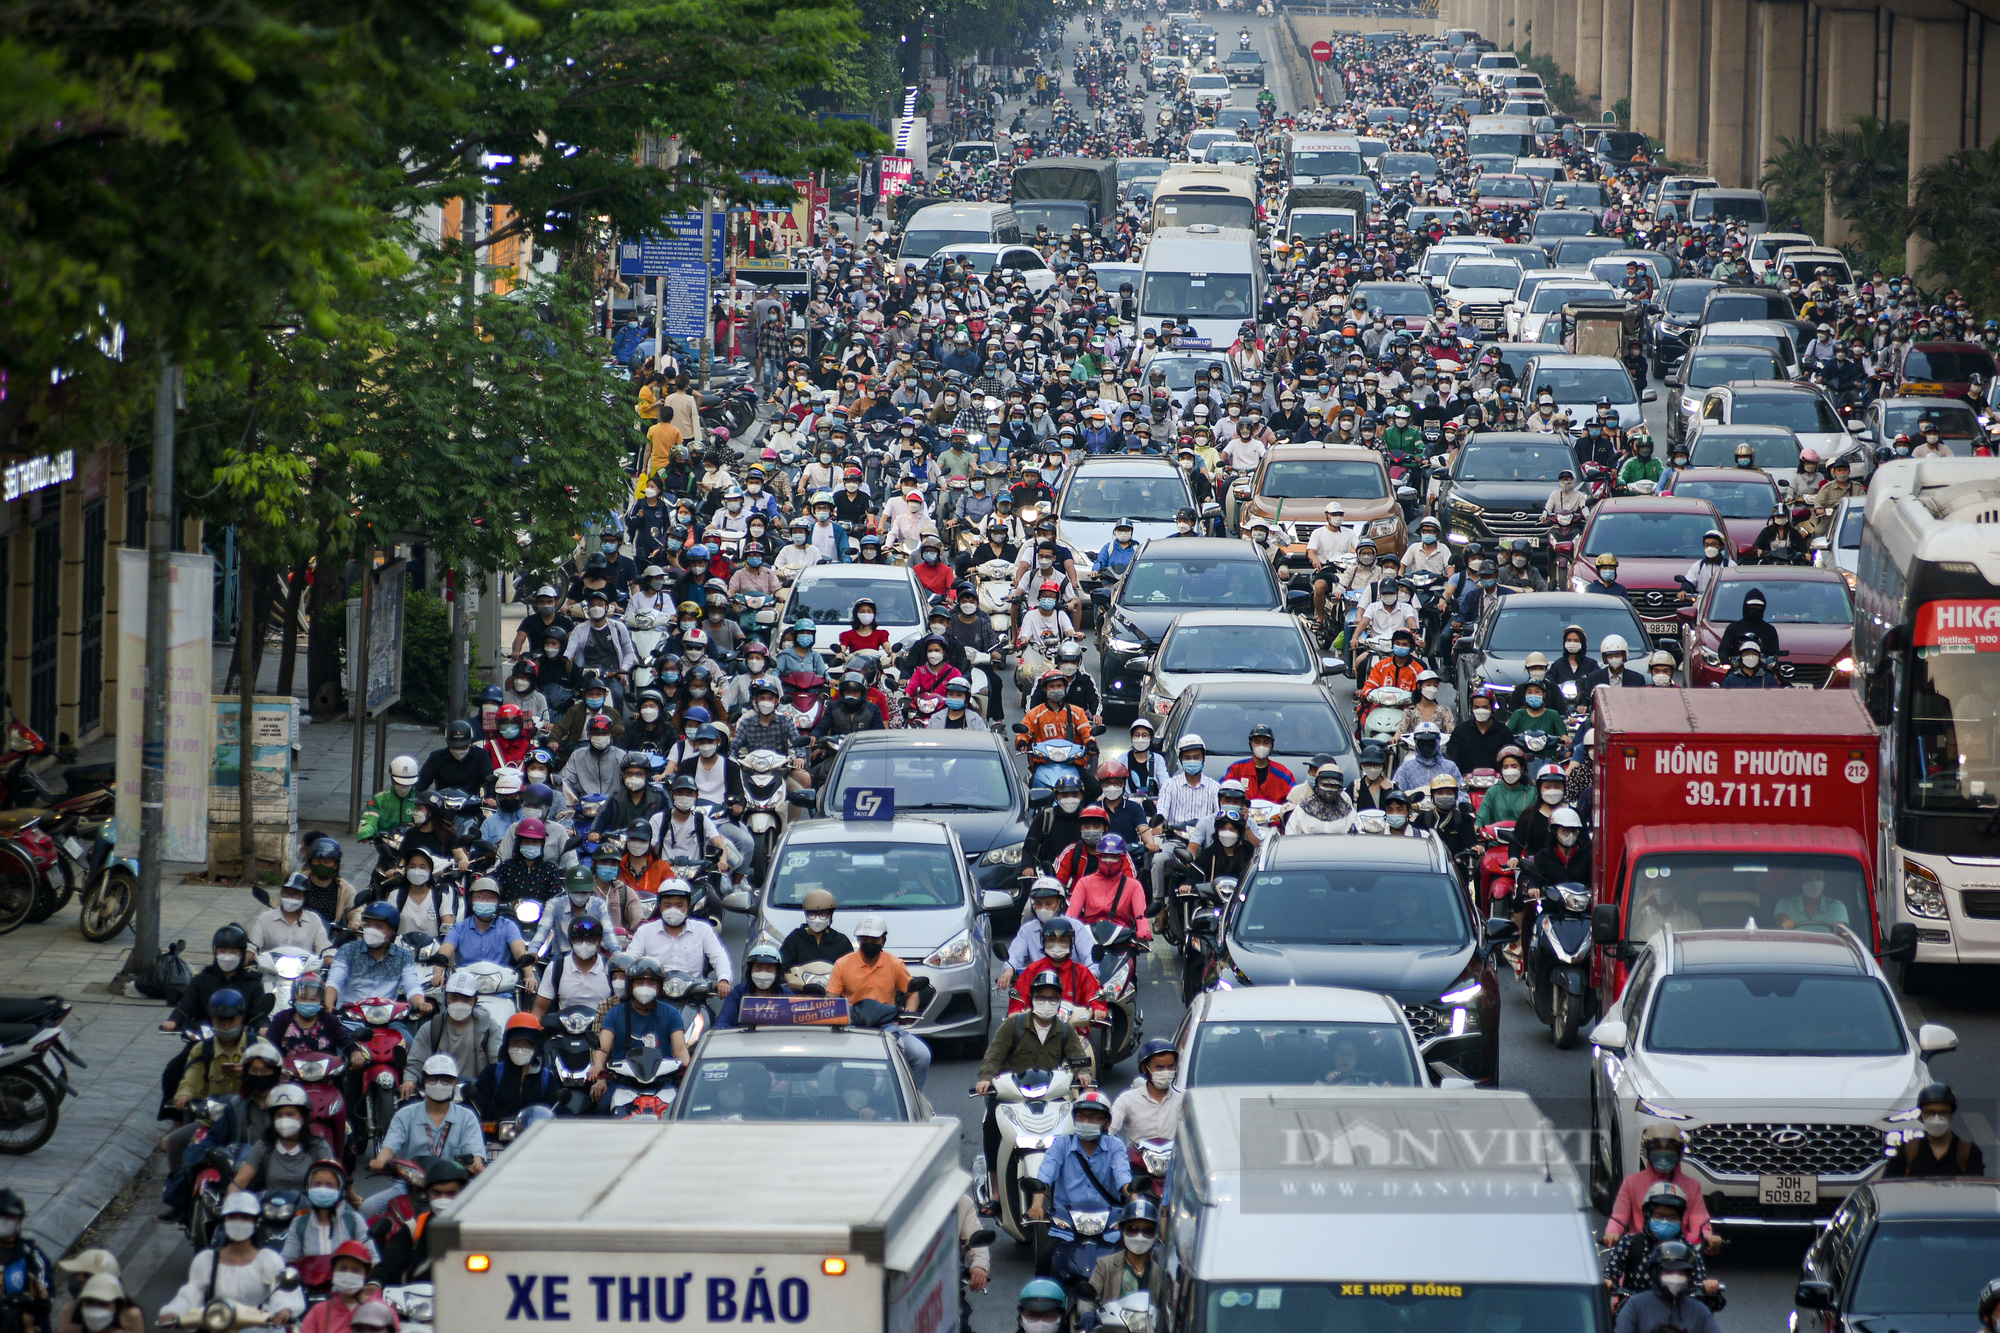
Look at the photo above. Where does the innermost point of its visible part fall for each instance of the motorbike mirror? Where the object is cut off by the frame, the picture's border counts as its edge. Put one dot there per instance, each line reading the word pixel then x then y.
pixel 1604 923
pixel 1500 929
pixel 1406 492
pixel 1211 510
pixel 985 1235
pixel 1020 728
pixel 257 892
pixel 803 796
pixel 1041 796
pixel 739 900
pixel 1821 544
pixel 995 900
pixel 1208 925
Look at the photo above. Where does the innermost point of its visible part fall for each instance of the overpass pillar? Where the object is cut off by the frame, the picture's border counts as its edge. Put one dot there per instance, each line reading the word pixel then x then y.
pixel 1729 93
pixel 1937 109
pixel 1588 62
pixel 1615 80
pixel 1562 46
pixel 1649 67
pixel 1781 83
pixel 1848 76
pixel 1684 69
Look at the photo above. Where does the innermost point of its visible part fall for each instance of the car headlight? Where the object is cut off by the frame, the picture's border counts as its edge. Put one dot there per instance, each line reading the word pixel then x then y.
pixel 1010 855
pixel 1912 1113
pixel 1464 506
pixel 1119 645
pixel 1660 1112
pixel 1922 894
pixel 1845 666
pixel 1465 994
pixel 955 952
pixel 1385 527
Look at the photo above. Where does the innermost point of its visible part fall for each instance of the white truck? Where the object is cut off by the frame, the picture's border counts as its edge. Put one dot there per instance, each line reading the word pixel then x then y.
pixel 593 1226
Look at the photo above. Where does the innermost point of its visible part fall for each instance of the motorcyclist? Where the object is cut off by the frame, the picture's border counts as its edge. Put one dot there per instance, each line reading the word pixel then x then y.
pixel 1043 1307
pixel 439 1125
pixel 1629 1264
pixel 1613 654
pixel 1111 892
pixel 229 969
pixel 640 1021
pixel 1566 857
pixel 1715 557
pixel 375 966
pixel 1151 1107
pixel 1262 779
pixel 1149 771
pixel 1079 981
pixel 1328 808
pixel 1750 626
pixel 1668 1303
pixel 1661 1146
pixel 1374 779
pixel 1749 671
pixel 405 1247
pixel 1086 1170
pixel 762 975
pixel 237 1269
pixel 580 973
pixel 1641 466
pixel 1030 1041
pixel 519 1079
pixel 390 808
pixel 1575 664
pixel 1606 583
pixel 1129 1268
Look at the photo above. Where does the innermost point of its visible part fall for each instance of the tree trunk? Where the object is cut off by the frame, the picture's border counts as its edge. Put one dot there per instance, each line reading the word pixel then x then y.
pixel 288 650
pixel 327 633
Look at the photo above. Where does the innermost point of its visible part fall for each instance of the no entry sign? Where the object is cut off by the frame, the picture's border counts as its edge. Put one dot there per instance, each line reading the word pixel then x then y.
pixel 1322 51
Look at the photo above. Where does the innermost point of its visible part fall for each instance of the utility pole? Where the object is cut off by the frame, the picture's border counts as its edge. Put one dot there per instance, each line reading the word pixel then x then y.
pixel 707 278
pixel 458 688
pixel 357 708
pixel 246 696
pixel 153 732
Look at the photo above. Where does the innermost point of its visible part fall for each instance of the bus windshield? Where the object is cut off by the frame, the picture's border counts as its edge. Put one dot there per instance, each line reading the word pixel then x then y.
pixel 1217 295
pixel 1953 759
pixel 1213 207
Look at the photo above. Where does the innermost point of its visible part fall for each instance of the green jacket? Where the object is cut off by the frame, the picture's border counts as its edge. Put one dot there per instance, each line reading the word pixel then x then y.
pixel 1403 440
pixel 1503 803
pixel 1639 469
pixel 385 811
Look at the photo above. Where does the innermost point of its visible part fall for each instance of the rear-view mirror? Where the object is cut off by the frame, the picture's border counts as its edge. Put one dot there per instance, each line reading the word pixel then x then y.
pixel 1604 924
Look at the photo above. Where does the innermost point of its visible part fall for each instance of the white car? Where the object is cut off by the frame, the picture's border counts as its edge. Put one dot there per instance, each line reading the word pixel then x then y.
pixel 1023 258
pixel 1780 1054
pixel 1209 89
pixel 1212 645
pixel 1577 383
pixel 1533 305
pixel 1479 288
pixel 826 593
pixel 1298 1036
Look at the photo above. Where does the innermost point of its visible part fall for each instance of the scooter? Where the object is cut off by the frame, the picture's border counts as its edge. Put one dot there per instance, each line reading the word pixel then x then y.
pixel 1384 717
pixel 568 1054
pixel 281 967
pixel 499 985
pixel 805 698
pixel 691 994
pixel 765 799
pixel 326 1105
pixel 995 582
pixel 1496 879
pixel 1151 1160
pixel 34 1064
pixel 644 1084
pixel 377 1080
pixel 1031 1109
pixel 1118 1035
pixel 1049 759
pixel 415 1306
pixel 1558 966
pixel 645 639
pixel 756 613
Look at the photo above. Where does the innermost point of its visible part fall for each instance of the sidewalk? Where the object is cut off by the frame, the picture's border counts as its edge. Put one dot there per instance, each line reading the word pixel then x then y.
pixel 107 1133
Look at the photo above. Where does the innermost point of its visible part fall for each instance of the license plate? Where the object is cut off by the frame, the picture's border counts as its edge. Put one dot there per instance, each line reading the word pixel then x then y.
pixel 1788 1189
pixel 1663 626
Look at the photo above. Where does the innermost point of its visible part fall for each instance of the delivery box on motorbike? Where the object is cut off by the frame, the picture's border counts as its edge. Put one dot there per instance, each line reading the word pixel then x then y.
pixel 600 1224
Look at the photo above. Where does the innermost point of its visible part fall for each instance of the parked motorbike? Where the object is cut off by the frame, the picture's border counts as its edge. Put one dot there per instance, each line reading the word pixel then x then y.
pixel 33 1075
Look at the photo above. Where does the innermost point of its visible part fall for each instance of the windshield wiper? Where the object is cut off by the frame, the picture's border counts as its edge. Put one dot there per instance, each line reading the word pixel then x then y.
pixel 946 805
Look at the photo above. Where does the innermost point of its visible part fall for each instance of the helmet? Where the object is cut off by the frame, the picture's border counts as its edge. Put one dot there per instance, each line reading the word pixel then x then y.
pixel 1661 1132
pixel 458 733
pixel 1565 818
pixel 445 1171
pixel 1935 1093
pixel 287 1094
pixel 1612 643
pixel 225 1003
pixel 1092 1101
pixel 1058 925
pixel 1673 1257
pixel 1262 732
pixel 1045 886
pixel 1043 1295
pixel 1048 976
pixel 766 952
pixel 1112 771
pixel 1989 1295
pixel 1111 845
pixel 231 936
pixel 404 768
pixel 819 900
pixel 383 912
pixel 1548 773
pixel 1068 782
pixel 1143 1209
pixel 1156 1046
pixel 1664 1195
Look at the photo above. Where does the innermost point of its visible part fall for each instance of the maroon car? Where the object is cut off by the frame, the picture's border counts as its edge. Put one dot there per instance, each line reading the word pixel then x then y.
pixel 1656 539
pixel 1810 608
pixel 1744 497
pixel 1944 370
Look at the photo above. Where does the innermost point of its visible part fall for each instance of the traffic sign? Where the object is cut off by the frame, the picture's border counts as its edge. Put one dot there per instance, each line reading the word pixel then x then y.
pixel 652 256
pixel 1322 51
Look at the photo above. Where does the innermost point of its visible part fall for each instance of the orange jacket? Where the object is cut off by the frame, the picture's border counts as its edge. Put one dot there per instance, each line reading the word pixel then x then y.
pixel 1390 672
pixel 1068 723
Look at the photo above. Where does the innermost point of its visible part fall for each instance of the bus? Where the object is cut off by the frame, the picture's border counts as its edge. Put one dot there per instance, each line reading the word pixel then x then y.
pixel 1927 665
pixel 1216 194
pixel 1513 135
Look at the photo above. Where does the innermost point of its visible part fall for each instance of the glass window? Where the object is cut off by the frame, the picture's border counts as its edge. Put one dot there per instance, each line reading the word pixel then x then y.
pixel 1312 226
pixel 1776 345
pixel 1926 1267
pixel 1180 370
pixel 1553 296
pixel 924 244
pixel 865 873
pixel 1215 210
pixel 1320 1307
pixel 1955 422
pixel 1396 298
pixel 1788 601
pixel 939 779
pixel 1466 273
pixel 1576 194
pixel 1312 478
pixel 1851 524
pixel 1953 759
pixel 1946 367
pixel 1219 295
pixel 1399 165
pixel 823 600
pixel 1539 629
pixel 1728 208
pixel 1717 448
pixel 1310 905
pixel 1513 462
pixel 1563 224
pixel 1235 649
pixel 775 1087
pixel 1648 536
pixel 1303 726
pixel 1586 248
pixel 1299 1054
pixel 1725 307
pixel 1327 162
pixel 1687 298
pixel 1584 384
pixel 1718 891
pixel 1099 499
pixel 1230 152
pixel 1773 1014
pixel 1501 187
pixel 1200 581
pixel 1732 499
pixel 1707 369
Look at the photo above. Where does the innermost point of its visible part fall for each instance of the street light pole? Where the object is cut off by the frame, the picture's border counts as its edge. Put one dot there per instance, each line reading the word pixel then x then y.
pixel 153 730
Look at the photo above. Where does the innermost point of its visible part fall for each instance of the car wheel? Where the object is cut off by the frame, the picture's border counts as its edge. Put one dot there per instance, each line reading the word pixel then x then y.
pixel 1603 1175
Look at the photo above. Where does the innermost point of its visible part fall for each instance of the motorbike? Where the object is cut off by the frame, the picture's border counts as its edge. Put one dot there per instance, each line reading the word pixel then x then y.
pixel 210 1165
pixel 414 1304
pixel 1151 1160
pixel 1562 548
pixel 571 1040
pixel 647 635
pixel 692 995
pixel 805 698
pixel 1049 759
pixel 1118 1035
pixel 1477 783
pixel 765 798
pixel 33 1076
pixel 1496 879
pixel 995 582
pixel 33 888
pixel 704 877
pixel 499 984
pixel 644 1084
pixel 284 1305
pixel 1031 1109
pixel 326 1106
pixel 282 966
pixel 388 1050
pixel 1384 716
pixel 756 613
pixel 1243 40
pixel 1557 973
pixel 1203 929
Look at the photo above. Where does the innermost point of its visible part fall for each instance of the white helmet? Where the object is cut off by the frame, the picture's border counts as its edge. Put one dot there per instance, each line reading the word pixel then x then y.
pixel 440 1066
pixel 287 1094
pixel 1613 643
pixel 404 768
pixel 1565 817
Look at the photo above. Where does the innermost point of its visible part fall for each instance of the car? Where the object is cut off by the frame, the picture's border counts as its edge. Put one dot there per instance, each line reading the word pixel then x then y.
pixel 1801 408
pixel 1773 335
pixel 1209 89
pixel 1024 259
pixel 1518 81
pixel 799 1073
pixel 967 779
pixel 1958 424
pixel 1297 1036
pixel 1900 1254
pixel 1664 267
pixel 1944 370
pixel 1669 195
pixel 826 594
pixel 1808 262
pixel 1294 483
pixel 1179 368
pixel 1110 277
pixel 1541 295
pixel 1498 483
pixel 1585 195
pixel 1746 209
pixel 1775 449
pixel 1131 168
pixel 1680 301
pixel 1779 1053
pixel 1810 608
pixel 1404 305
pixel 1478 288
pixel 1371 913
pixel 1210 645
pixel 1657 539
pixel 1709 364
pixel 1231 117
pixel 914 873
pixel 1100 491
pixel 1531 258
pixel 1305 717
pixel 1842 553
pixel 1580 252
pixel 1437 260
pixel 1611 268
pixel 1166 579
pixel 1493 660
pixel 1230 150
pixel 1553 226
pixel 1401 166
pixel 1744 497
pixel 1733 301
pixel 1492 164
pixel 1508 190
pixel 1162 70
pixel 1578 382
pixel 1244 67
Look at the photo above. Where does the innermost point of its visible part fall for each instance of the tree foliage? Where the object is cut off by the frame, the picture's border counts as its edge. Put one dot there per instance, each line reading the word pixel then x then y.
pixel 1795 184
pixel 1956 207
pixel 1867 170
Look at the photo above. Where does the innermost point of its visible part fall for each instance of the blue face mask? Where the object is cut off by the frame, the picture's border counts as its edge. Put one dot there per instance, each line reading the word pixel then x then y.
pixel 805 640
pixel 1666 1163
pixel 486 911
pixel 531 851
pixel 1401 651
pixel 323 1196
pixel 755 561
pixel 954 703
pixel 1192 766
pixel 307 1008
pixel 1047 603
pixel 1534 701
pixel 607 873
pixel 1662 1228
pixel 1397 821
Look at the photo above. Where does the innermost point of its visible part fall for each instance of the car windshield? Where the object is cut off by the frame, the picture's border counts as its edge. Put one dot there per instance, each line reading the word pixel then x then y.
pixel 1311 226
pixel 1804 413
pixel 1101 499
pixel 1529 257
pixel 1501 187
pixel 1513 462
pixel 1925 1267
pixel 1773 1014
pixel 1356 1307
pixel 1852 520
pixel 1584 384
pixel 1236 151
pixel 924 244
pixel 1539 629
pixel 833 599
pixel 926 778
pixel 1727 208
pixel 1687 298
pixel 1552 296
pixel 1564 224
pixel 1955 422
pixel 792 1087
pixel 867 873
pixel 1219 295
pixel 1055 214
pixel 1786 601
pixel 1726 307
pixel 1375 1055
pixel 1777 345
pixel 1707 369
pixel 1130 168
pixel 1212 208
pixel 1235 649
pixel 1953 759
pixel 1946 367
pixel 1303 725
pixel 1484 273
pixel 1396 298
pixel 1732 499
pixel 1576 194
pixel 1327 162
pixel 1315 905
pixel 1315 478
pixel 1180 370
pixel 982 261
pixel 1244 58
pixel 1160 581
pixel 1648 536
pixel 1717 448
pixel 1721 891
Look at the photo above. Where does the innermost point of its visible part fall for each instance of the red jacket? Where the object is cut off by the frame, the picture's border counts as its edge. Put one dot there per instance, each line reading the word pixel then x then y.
pixel 1104 897
pixel 1275 785
pixel 1079 985
pixel 938 579
pixel 511 754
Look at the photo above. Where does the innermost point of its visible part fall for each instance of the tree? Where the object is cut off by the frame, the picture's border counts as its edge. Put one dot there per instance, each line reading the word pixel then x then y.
pixel 1795 183
pixel 1867 181
pixel 1957 209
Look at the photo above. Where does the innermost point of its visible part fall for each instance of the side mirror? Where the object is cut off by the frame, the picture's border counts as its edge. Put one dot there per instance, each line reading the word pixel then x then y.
pixel 1822 544
pixel 1936 1039
pixel 1138 666
pixel 1813 1296
pixel 1040 796
pixel 1020 728
pixel 1672 381
pixel 1902 943
pixel 1854 427
pixel 1211 510
pixel 1610 1034
pixel 1102 596
pixel 1650 396
pixel 1333 666
pixel 739 900
pixel 1500 929
pixel 1206 924
pixel 257 892
pixel 995 900
pixel 1865 433
pixel 1406 492
pixel 1604 923
pixel 1226 886
pixel 804 796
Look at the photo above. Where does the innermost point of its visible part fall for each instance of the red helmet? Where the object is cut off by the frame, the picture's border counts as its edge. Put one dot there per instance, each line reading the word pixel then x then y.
pixel 1092 1100
pixel 598 724
pixel 1112 771
pixel 1096 812
pixel 1050 586
pixel 511 713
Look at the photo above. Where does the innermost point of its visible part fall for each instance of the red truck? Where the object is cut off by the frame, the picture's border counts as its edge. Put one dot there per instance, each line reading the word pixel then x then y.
pixel 1715 808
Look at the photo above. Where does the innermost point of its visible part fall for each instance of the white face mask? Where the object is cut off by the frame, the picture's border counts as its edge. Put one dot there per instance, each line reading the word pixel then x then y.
pixel 645 994
pixel 1058 951
pixel 819 925
pixel 600 742
pixel 460 1010
pixel 347 1281
pixel 1139 1244
pixel 1161 1079
pixel 97 1318
pixel 229 962
pixel 1674 1283
pixel 636 782
pixel 1070 804
pixel 288 1127
pixel 1430 691
pixel 1937 1126
pixel 674 916
pixel 1030 1324
pixel 240 1228
pixel 1260 752
pixel 1046 1009
pixel 683 803
pixel 520 1055
pixel 650 714
pixel 766 707
pixel 584 951
pixel 374 939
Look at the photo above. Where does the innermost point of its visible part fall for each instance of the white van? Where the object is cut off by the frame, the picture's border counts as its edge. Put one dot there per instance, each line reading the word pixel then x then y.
pixel 932 228
pixel 1206 275
pixel 1493 63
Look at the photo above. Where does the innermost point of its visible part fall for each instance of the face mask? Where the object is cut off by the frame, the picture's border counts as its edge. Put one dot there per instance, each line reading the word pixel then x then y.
pixel 288 1127
pixel 606 873
pixel 229 962
pixel 459 1011
pixel 674 916
pixel 1937 1126
pixel 819 925
pixel 1534 699
pixel 805 640
pixel 291 902
pixel 375 939
pixel 600 742
pixel 763 978
pixel 1573 648
pixel 1030 1324
pixel 1662 1228
pixel 871 949
pixel 1227 837
pixel 1089 1131
pixel 97 1318
pixel 1047 604
pixel 1567 837
pixel 1673 1283
pixel 1750 661
pixel 1192 767
pixel 485 911
pixel 934 656
pixel 1058 950
pixel 346 1281
pixel 240 1228
pixel 645 994
pixel 1665 1161
pixel 1138 1244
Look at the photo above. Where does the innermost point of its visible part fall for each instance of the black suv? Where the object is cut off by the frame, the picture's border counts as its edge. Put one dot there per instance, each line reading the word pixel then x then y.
pixel 1377 914
pixel 1497 486
pixel 1901 1254
pixel 1169 576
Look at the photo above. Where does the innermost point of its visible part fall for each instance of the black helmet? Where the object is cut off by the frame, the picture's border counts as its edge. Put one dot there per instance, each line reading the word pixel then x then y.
pixel 1932 1094
pixel 327 849
pixel 1143 1209
pixel 445 1171
pixel 1262 732
pixel 491 695
pixel 1989 1295
pixel 231 936
pixel 458 733
pixel 11 1205
pixel 1046 977
pixel 225 1003
pixel 1673 1256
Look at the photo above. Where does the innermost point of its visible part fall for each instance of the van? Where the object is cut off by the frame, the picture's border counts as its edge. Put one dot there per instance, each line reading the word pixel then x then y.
pixel 931 229
pixel 1513 135
pixel 1311 156
pixel 1373 1208
pixel 1206 193
pixel 1496 62
pixel 1745 208
pixel 1805 262
pixel 1210 276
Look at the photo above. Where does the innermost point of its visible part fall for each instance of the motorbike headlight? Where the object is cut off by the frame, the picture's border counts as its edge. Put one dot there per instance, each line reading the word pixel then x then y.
pixel 1922 894
pixel 674 987
pixel 1010 855
pixel 955 952
pixel 1845 666
pixel 289 968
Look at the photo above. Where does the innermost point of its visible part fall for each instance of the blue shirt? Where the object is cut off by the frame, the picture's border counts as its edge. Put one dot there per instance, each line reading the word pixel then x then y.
pixel 628 1025
pixel 1062 1171
pixel 495 944
pixel 358 975
pixel 1027 945
pixel 411 1133
pixel 498 825
pixel 1112 556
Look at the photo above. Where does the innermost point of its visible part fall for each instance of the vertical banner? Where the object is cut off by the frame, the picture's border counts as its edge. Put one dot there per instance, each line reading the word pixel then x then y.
pixel 190 724
pixel 896 173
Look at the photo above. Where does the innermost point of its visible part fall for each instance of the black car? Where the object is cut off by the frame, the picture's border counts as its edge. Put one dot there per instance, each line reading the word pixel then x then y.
pixel 1169 576
pixel 1378 914
pixel 1304 717
pixel 1909 1255
pixel 1731 302
pixel 1244 67
pixel 1680 301
pixel 1498 484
